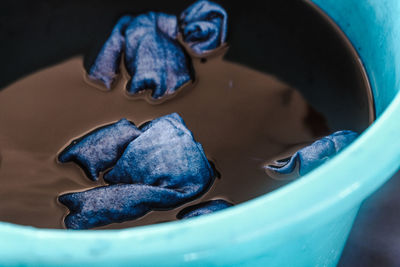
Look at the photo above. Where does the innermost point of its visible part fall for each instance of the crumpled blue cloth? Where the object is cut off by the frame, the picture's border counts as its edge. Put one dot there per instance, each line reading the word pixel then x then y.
pixel 153 57
pixel 314 155
pixel 161 169
pixel 204 26
pixel 203 208
pixel 121 202
pixel 166 155
pixel 100 149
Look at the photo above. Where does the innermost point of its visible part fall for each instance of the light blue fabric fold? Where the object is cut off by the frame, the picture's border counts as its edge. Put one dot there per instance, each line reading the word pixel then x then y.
pixel 314 155
pixel 153 57
pixel 165 154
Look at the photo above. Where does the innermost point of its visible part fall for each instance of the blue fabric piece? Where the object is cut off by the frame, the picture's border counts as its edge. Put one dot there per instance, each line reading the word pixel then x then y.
pixel 204 26
pixel 314 155
pixel 153 57
pixel 203 208
pixel 121 202
pixel 165 154
pixel 161 169
pixel 100 149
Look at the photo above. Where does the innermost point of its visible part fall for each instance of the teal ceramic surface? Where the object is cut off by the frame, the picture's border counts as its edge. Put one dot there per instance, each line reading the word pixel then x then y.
pixel 305 223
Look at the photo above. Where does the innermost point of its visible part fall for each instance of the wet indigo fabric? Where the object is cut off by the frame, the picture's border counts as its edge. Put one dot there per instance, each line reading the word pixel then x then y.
pixel 203 208
pixel 314 155
pixel 153 57
pixel 204 26
pixel 100 149
pixel 121 202
pixel 165 155
pixel 161 169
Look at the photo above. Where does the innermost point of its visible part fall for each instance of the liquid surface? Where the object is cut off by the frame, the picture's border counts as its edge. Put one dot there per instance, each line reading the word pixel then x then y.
pixel 242 117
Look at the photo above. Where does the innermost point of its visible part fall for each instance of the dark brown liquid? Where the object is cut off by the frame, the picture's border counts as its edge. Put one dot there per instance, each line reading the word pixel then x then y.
pixel 242 117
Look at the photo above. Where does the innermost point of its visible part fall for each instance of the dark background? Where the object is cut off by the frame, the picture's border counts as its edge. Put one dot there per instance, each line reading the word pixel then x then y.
pixel 284 38
pixel 375 237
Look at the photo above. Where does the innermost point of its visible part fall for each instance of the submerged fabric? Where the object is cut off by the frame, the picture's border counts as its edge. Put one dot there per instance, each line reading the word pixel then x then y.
pixel 153 57
pixel 165 155
pixel 203 208
pixel 161 169
pixel 314 155
pixel 121 202
pixel 100 149
pixel 204 26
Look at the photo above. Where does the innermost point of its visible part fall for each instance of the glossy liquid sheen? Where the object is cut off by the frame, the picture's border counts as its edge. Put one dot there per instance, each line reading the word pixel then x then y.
pixel 242 117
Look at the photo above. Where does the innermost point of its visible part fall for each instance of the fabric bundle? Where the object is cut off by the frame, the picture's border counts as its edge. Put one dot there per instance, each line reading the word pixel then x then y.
pixel 153 57
pixel 161 168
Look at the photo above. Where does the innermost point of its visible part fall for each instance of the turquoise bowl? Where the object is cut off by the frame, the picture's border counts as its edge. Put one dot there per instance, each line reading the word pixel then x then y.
pixel 305 223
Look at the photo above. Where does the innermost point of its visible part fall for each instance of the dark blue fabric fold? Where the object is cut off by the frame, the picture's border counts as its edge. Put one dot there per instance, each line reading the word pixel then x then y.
pixel 161 169
pixel 121 202
pixel 204 26
pixel 100 149
pixel 314 155
pixel 153 57
pixel 203 208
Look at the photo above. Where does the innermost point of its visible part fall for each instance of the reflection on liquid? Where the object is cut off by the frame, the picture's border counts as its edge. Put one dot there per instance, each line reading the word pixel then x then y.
pixel 242 117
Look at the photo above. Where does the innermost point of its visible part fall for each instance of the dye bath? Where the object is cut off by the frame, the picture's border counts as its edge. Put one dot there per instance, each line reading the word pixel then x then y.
pixel 243 118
